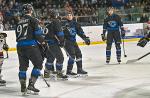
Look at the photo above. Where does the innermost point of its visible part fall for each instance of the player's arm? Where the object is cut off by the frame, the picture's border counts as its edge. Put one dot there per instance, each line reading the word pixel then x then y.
pixel 59 32
pixel 121 27
pixel 66 31
pixel 38 32
pixel 103 35
pixel 105 26
pixel 5 45
pixel 81 33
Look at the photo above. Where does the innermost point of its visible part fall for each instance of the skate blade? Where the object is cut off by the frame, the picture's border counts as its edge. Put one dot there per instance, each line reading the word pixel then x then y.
pixel 82 75
pixel 32 92
pixel 25 94
pixel 3 84
pixel 113 63
pixel 62 79
pixel 72 76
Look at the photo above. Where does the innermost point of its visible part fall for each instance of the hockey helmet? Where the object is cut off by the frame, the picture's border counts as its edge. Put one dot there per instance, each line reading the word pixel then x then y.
pixel 52 13
pixel 27 8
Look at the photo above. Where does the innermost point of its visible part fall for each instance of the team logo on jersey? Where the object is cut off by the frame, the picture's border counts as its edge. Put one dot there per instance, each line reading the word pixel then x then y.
pixel 112 24
pixel 45 31
pixel 72 31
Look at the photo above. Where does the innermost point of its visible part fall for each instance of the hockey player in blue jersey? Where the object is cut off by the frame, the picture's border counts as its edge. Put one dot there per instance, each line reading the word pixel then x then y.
pixel 55 39
pixel 71 29
pixel 28 36
pixel 112 25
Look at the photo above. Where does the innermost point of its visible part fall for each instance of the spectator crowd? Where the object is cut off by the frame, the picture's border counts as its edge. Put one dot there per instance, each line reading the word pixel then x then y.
pixel 10 9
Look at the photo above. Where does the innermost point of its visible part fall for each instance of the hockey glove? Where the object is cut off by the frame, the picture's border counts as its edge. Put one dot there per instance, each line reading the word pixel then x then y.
pixel 142 42
pixel 103 37
pixel 5 47
pixel 45 46
pixel 61 44
pixel 122 33
pixel 87 40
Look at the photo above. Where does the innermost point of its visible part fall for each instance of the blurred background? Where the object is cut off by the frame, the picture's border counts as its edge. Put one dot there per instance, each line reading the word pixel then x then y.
pixel 87 12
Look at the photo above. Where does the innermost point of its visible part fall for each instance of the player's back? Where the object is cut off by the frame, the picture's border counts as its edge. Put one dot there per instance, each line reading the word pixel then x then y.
pixel 53 28
pixel 25 28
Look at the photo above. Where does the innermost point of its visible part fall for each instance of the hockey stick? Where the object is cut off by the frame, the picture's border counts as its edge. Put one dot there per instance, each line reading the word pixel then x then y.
pixel 124 48
pixel 7 54
pixel 134 60
pixel 48 85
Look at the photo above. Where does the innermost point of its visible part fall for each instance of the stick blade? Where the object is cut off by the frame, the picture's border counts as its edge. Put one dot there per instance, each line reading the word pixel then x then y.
pixel 131 61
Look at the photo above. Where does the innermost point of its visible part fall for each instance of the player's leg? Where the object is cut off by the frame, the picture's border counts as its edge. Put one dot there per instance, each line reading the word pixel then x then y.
pixel 36 59
pixel 2 82
pixel 79 60
pixel 49 65
pixel 117 40
pixel 23 65
pixel 59 61
pixel 108 47
pixel 69 46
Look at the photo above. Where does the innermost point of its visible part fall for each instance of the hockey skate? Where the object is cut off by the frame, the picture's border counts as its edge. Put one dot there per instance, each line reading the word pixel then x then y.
pixel 46 74
pixel 2 82
pixel 52 75
pixel 71 74
pixel 23 87
pixel 31 89
pixel 25 93
pixel 107 60
pixel 119 60
pixel 24 90
pixel 61 76
pixel 82 73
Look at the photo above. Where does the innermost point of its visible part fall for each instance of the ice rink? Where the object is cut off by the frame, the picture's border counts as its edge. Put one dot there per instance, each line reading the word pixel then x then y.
pixel 103 81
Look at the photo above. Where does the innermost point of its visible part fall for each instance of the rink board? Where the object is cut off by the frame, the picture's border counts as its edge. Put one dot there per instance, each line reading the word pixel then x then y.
pixel 133 32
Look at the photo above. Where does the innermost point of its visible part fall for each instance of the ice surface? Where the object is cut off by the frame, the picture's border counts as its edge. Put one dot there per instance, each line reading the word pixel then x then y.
pixel 104 81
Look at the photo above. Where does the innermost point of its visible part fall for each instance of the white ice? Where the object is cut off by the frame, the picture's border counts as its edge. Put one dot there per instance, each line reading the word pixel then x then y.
pixel 104 81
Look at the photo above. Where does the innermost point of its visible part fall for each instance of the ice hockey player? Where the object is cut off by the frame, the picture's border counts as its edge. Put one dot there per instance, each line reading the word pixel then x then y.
pixel 112 25
pixel 3 45
pixel 71 29
pixel 55 39
pixel 144 40
pixel 28 35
